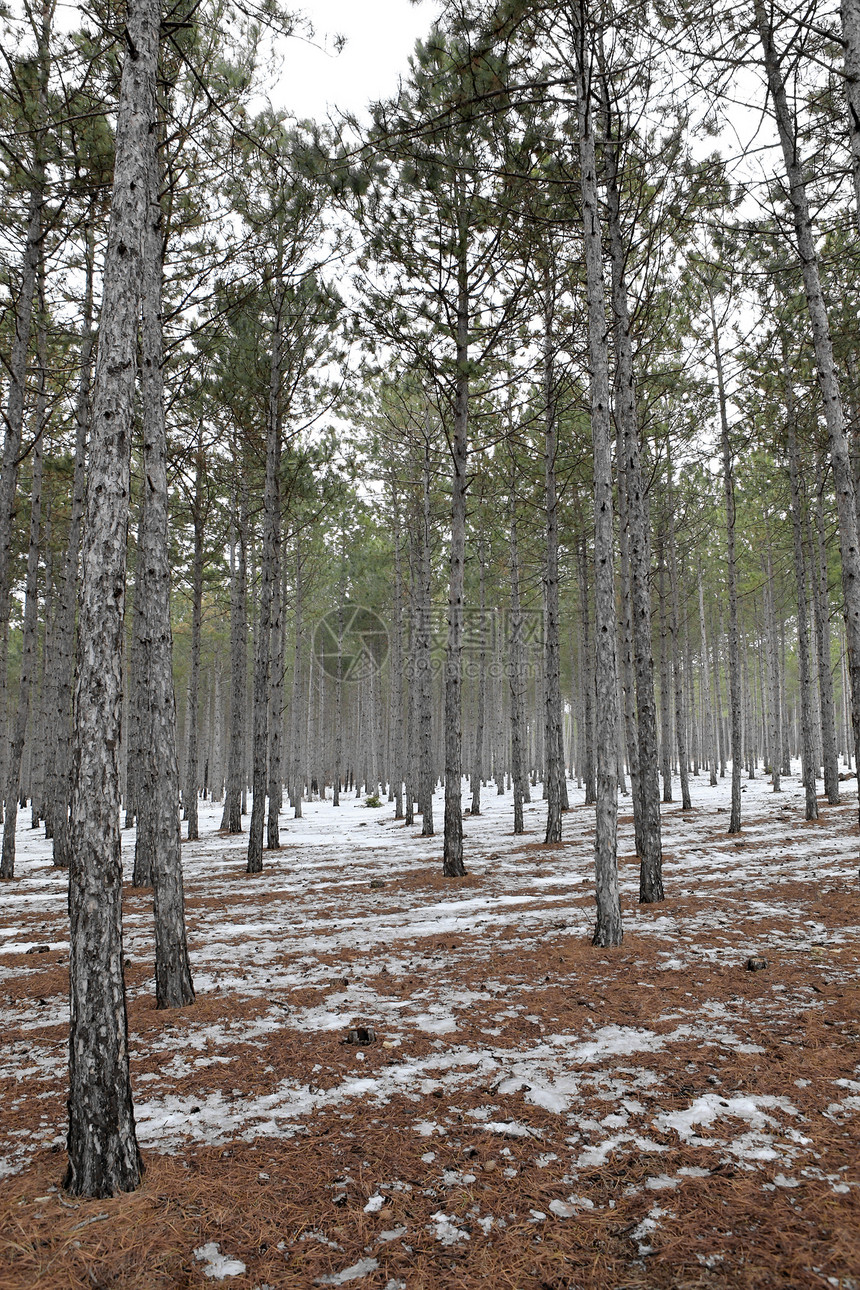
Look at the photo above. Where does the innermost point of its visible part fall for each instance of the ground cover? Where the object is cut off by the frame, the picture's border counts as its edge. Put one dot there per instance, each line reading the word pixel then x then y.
pixel 530 1112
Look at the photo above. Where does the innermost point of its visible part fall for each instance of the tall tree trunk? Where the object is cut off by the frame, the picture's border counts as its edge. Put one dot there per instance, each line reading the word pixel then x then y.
pixel 63 634
pixel 192 760
pixel 665 705
pixel 398 710
pixel 677 662
pixel 276 701
pixel 517 666
pixel 18 354
pixel 452 841
pixel 103 1153
pixel 232 818
pixel 806 715
pixel 628 676
pixel 30 634
pixel 823 346
pixel 830 758
pixel 709 742
pixel 648 796
pixel 425 718
pixel 268 578
pixel 731 561
pixel 478 761
pixel 554 772
pixel 775 734
pixel 158 808
pixel 297 697
pixel 608 929
pixel 850 10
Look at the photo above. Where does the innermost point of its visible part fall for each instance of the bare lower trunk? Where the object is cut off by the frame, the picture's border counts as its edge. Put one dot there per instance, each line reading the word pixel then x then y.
pixel 829 753
pixel 425 719
pixel 232 817
pixel 807 742
pixel 516 664
pixel 268 578
pixel 30 637
pixel 452 843
pixel 478 760
pixel 608 928
pixel 677 660
pixel 647 798
pixel 192 760
pixel 827 375
pixel 731 563
pixel 103 1152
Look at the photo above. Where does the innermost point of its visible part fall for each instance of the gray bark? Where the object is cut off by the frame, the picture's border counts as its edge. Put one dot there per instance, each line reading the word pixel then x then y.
pixel 192 726
pixel 425 719
pixel 731 563
pixel 158 807
pixel 516 664
pixel 452 840
pixel 103 1154
pixel 232 817
pixel 608 929
pixel 677 661
pixel 830 759
pixel 554 760
pixel 30 634
pixel 63 633
pixel 646 798
pixel 850 11
pixel 269 573
pixel 827 376
pixel 806 705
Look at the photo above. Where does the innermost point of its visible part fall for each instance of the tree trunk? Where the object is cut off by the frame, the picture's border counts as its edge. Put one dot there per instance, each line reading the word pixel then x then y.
pixel 478 762
pixel 827 376
pixel 731 561
pixel 63 634
pixel 807 742
pixel 158 808
pixel 268 578
pixel 17 361
pixel 452 842
pixel 192 761
pixel 608 929
pixel 553 759
pixel 30 635
pixel 677 662
pixel 850 10
pixel 648 796
pixel 232 817
pixel 517 665
pixel 425 718
pixel 103 1154
pixel 830 758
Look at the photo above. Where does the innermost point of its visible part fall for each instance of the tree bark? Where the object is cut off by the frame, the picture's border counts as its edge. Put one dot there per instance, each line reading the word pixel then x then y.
pixel 608 930
pixel 830 759
pixel 807 742
pixel 452 841
pixel 731 563
pixel 268 577
pixel 192 756
pixel 647 798
pixel 30 634
pixel 553 759
pixel 827 375
pixel 103 1153
pixel 158 807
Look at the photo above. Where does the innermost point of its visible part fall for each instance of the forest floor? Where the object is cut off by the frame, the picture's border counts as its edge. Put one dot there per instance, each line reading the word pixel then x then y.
pixel 532 1111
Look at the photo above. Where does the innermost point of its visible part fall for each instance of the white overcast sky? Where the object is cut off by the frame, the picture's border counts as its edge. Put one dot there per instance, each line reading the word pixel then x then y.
pixel 380 36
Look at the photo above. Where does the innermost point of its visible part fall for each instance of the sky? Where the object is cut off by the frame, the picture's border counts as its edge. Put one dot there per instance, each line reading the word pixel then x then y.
pixel 380 36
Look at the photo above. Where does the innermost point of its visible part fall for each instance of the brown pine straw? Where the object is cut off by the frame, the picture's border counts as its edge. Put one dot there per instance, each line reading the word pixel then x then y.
pixel 726 1229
